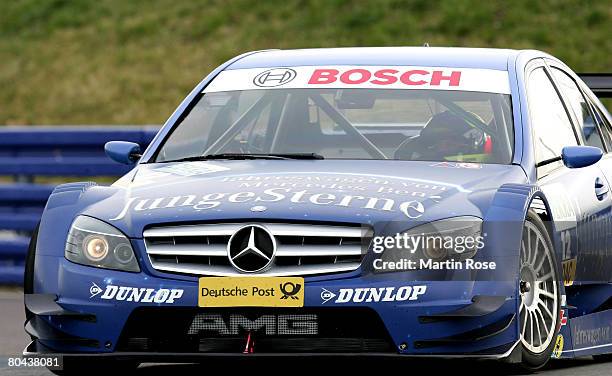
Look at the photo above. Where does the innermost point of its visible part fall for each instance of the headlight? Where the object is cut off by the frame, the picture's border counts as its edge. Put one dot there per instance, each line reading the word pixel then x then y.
pixel 454 239
pixel 94 243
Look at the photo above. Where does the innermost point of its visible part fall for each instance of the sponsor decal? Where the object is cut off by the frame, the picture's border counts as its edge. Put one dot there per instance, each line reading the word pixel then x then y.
pixel 236 324
pixel 566 243
pixel 594 235
pixel 569 271
pixel 290 290
pixel 565 212
pixel 465 165
pixel 562 318
pixel 362 192
pixel 373 294
pixel 146 177
pixel 367 77
pixel 251 292
pixel 558 349
pixel 410 208
pixel 591 332
pixel 94 290
pixel 326 295
pixel 587 337
pixel 274 77
pixel 191 169
pixel 385 76
pixel 136 294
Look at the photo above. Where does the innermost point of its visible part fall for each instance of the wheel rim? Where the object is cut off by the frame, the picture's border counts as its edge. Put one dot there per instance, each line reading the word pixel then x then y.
pixel 538 309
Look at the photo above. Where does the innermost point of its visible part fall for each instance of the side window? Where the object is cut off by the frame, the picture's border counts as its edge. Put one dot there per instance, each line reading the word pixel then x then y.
pixel 604 125
pixel 552 127
pixel 586 121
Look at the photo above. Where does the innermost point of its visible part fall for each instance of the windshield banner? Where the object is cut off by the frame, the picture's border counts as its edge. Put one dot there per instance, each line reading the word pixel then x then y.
pixel 362 77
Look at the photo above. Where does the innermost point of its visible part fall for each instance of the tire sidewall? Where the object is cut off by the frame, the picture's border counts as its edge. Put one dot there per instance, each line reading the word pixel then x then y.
pixel 530 360
pixel 28 274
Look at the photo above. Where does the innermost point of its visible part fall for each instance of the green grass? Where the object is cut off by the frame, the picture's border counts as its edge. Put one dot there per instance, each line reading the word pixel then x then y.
pixel 131 62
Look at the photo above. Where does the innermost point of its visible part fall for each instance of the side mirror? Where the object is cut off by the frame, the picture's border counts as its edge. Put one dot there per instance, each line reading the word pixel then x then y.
pixel 123 152
pixel 580 156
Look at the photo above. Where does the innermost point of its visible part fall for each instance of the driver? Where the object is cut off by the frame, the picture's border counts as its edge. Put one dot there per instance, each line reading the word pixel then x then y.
pixel 446 136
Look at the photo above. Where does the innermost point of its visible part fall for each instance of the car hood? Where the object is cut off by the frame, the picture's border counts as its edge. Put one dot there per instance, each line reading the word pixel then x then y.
pixel 341 191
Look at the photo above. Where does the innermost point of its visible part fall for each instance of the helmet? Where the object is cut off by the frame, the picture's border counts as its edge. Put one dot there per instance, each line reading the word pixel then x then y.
pixel 445 135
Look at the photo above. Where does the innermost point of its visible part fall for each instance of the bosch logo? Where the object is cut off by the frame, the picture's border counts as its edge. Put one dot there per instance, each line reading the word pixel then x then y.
pixel 383 77
pixel 274 77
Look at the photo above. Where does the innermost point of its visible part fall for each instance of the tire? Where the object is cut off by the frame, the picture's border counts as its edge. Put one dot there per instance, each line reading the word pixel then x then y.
pixel 28 275
pixel 85 366
pixel 603 357
pixel 540 294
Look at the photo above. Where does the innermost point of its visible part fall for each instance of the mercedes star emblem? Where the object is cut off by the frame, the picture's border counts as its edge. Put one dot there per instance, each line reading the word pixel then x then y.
pixel 251 249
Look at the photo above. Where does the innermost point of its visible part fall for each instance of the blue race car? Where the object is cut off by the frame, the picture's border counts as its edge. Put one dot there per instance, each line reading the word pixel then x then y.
pixel 382 201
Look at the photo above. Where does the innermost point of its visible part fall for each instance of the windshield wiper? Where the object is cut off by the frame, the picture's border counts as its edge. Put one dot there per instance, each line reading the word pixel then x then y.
pixel 241 156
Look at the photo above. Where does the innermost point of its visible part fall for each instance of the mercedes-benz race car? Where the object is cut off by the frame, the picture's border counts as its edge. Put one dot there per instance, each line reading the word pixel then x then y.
pixel 382 201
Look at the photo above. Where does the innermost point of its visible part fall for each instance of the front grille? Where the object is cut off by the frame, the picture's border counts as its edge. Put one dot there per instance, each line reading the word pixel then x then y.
pixel 302 249
pixel 338 330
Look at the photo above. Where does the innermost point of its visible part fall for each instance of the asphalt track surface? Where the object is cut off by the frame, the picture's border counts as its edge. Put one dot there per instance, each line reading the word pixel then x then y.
pixel 13 340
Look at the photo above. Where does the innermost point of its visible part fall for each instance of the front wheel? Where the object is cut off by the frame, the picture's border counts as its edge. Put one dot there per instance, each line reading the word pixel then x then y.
pixel 539 292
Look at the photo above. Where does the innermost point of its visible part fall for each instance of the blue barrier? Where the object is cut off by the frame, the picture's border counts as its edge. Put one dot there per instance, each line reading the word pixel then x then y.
pixel 11 274
pixel 27 153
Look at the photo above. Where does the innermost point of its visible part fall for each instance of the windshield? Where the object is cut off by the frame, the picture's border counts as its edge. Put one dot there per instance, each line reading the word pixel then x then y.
pixel 341 123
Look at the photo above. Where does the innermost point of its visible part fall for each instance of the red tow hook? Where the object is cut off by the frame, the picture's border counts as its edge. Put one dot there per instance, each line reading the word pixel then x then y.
pixel 249 348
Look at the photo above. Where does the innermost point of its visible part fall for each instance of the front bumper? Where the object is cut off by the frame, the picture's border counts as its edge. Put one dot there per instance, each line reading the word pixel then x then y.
pixel 36 349
pixel 455 317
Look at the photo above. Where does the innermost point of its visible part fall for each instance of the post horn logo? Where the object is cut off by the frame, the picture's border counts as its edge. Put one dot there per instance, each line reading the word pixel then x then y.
pixel 290 290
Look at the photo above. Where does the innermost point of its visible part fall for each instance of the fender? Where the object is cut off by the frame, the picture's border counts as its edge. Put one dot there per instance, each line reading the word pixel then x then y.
pixel 510 205
pixel 64 204
pixel 506 216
